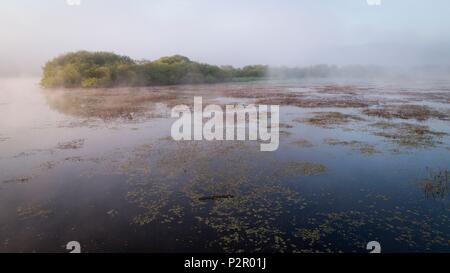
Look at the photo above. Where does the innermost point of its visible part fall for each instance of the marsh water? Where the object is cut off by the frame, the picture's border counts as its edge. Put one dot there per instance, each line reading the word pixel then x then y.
pixel 99 167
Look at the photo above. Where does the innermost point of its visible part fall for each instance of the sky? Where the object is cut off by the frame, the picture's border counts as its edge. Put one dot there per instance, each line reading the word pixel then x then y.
pixel 228 32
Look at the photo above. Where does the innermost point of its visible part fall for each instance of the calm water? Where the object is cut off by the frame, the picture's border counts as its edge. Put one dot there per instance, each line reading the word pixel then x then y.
pixel 121 185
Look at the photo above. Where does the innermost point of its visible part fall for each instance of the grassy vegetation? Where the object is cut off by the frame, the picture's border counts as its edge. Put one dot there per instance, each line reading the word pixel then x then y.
pixel 104 69
pixel 437 184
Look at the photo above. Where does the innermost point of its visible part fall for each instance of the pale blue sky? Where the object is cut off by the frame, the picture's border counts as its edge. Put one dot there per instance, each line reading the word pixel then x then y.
pixel 237 32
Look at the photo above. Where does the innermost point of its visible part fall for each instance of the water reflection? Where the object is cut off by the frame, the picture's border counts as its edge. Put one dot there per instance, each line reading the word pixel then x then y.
pixel 109 104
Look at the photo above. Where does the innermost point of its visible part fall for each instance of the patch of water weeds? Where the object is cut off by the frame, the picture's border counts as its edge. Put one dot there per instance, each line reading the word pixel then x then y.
pixel 33 211
pixel 231 196
pixel 282 95
pixel 363 147
pixel 302 168
pixel 71 145
pixel 407 227
pixel 182 156
pixel 248 221
pixel 86 122
pixel 167 139
pixel 284 126
pixel 138 161
pixel 150 198
pixel 442 96
pixel 437 184
pixel 309 235
pixel 48 165
pixel 303 143
pixel 259 92
pixel 329 119
pixel 215 197
pixel 152 191
pixel 341 89
pixel 284 133
pixel 147 189
pixel 74 159
pixel 408 134
pixel 406 111
pixel 321 231
pixel 19 180
pixel 319 102
pixel 34 152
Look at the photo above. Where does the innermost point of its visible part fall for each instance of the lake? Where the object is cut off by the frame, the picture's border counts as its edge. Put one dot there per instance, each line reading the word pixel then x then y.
pixel 358 161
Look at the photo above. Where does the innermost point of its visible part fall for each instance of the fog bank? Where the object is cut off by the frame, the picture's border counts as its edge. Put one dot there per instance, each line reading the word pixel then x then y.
pixel 406 33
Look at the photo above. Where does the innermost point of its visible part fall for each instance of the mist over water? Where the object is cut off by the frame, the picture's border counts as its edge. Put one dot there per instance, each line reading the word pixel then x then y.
pixel 402 33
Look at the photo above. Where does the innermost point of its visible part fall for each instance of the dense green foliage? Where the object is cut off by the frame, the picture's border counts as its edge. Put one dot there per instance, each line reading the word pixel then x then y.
pixel 103 69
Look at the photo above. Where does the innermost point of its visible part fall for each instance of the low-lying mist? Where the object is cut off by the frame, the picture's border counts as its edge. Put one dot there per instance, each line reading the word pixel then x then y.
pixel 357 72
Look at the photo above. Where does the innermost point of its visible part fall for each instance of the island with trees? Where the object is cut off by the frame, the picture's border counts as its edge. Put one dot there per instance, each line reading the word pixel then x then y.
pixel 104 69
pixel 84 69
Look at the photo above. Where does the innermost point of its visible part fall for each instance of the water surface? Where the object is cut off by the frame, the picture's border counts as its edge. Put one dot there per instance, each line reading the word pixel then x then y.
pixel 118 183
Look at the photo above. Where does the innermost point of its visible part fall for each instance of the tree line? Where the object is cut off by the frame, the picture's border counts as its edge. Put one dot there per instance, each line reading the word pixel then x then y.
pixel 104 69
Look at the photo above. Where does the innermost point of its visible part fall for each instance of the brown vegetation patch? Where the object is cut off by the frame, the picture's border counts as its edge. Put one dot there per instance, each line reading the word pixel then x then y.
pixel 328 119
pixel 18 180
pixel 407 134
pixel 316 102
pixel 33 211
pixel 71 145
pixel 285 133
pixel 340 89
pixel 285 126
pixel 435 96
pixel 281 95
pixel 303 168
pixel 417 112
pixel 362 147
pixel 261 93
pixel 303 143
